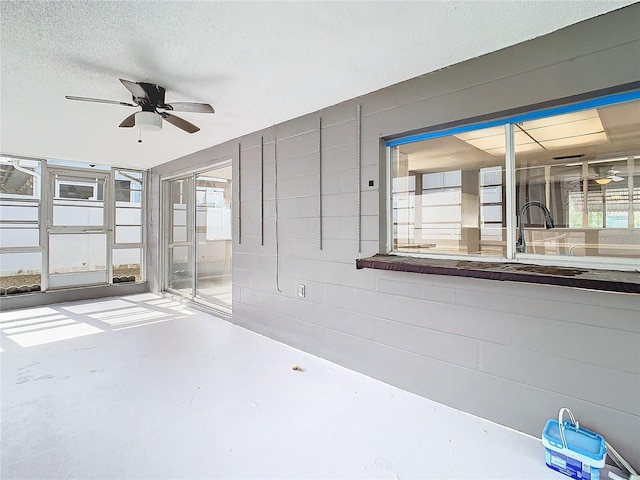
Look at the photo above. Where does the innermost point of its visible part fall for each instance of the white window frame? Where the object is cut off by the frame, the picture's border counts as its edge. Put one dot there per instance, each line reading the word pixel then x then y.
pixel 142 245
pixel 44 196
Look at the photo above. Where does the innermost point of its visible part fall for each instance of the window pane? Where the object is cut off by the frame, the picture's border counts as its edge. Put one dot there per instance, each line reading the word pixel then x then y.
pixel 128 234
pixel 128 187
pixel 491 213
pixel 78 201
pixel 19 177
pixel 180 228
pixel 128 216
pixel 213 228
pixel 19 211
pixel 17 236
pixel 19 225
pixel 78 188
pixel 491 194
pixel 86 214
pixel 180 264
pixel 583 181
pixel 21 269
pixel 180 197
pixel 447 194
pixel 127 265
pixel 73 253
pixel 127 262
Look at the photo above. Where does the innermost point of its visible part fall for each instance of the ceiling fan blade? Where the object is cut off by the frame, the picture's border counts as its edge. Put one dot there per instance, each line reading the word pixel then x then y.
pixel 180 123
pixel 136 90
pixel 130 121
pixel 98 100
pixel 189 107
pixel 616 178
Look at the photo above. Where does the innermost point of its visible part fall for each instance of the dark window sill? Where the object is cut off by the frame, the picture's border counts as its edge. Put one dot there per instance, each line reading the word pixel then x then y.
pixel 606 280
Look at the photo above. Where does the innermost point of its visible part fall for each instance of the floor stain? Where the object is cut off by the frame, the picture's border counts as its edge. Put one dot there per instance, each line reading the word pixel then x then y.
pixel 29 366
pixel 380 463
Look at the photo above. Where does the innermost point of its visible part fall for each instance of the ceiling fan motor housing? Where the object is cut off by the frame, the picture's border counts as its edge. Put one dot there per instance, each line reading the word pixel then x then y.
pixel 154 97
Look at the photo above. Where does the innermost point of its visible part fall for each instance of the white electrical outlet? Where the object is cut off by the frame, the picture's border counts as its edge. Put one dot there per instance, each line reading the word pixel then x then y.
pixel 301 291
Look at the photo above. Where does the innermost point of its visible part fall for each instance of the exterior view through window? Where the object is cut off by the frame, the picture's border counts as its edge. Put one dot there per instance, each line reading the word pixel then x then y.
pixel 575 184
pixel 20 250
pixel 127 245
pixel 87 229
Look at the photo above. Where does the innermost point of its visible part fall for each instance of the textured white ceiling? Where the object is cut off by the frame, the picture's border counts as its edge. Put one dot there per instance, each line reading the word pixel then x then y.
pixel 257 63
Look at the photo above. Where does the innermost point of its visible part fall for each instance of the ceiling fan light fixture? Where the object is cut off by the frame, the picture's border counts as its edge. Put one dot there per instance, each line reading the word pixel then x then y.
pixel 149 121
pixel 603 181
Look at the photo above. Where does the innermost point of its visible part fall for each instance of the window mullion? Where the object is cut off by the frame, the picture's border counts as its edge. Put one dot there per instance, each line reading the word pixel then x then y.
pixel 194 233
pixel 510 166
pixel 46 220
pixel 389 202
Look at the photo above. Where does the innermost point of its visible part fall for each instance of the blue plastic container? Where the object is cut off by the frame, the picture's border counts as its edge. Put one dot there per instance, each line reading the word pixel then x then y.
pixel 580 454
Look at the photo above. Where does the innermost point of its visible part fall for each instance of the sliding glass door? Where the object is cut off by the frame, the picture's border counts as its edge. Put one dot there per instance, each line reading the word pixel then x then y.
pixel 180 236
pixel 198 247
pixel 213 233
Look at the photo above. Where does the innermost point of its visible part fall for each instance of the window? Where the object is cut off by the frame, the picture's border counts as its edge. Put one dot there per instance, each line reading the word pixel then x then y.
pixel 128 248
pixel 20 249
pixel 448 196
pixel 77 201
pixel 570 182
pixel 90 223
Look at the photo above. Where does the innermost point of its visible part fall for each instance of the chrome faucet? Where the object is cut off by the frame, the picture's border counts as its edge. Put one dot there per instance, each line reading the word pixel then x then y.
pixel 521 245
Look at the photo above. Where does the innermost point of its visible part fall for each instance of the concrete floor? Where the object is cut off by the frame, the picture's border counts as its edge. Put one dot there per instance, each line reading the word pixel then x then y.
pixel 144 387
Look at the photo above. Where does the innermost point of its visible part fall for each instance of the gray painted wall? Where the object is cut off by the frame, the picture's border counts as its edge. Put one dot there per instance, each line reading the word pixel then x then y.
pixel 512 353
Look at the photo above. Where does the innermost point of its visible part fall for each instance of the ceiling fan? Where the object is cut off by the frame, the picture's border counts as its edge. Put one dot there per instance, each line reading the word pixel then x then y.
pixel 150 98
pixel 607 174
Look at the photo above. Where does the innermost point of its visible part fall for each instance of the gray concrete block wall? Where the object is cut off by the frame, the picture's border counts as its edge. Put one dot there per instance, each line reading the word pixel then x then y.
pixel 513 353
